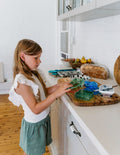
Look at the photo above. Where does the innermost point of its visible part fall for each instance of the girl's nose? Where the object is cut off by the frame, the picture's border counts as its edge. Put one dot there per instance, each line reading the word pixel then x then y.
pixel 39 61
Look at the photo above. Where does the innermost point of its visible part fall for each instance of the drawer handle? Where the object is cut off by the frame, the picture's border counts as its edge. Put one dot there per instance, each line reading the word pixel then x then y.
pixel 69 7
pixel 74 129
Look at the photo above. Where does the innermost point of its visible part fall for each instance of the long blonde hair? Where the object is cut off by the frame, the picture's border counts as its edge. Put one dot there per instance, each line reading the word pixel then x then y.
pixel 29 47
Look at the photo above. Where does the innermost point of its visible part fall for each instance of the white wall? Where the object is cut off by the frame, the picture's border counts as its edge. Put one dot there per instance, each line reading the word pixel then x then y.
pixel 97 39
pixel 31 19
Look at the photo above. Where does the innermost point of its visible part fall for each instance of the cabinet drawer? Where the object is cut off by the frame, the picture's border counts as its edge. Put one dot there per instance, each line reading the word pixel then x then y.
pixel 82 136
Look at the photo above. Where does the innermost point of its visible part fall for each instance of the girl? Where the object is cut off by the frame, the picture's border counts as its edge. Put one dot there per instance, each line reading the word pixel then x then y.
pixel 30 91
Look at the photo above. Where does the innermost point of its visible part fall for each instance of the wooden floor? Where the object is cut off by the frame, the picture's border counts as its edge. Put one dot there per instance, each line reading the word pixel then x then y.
pixel 10 123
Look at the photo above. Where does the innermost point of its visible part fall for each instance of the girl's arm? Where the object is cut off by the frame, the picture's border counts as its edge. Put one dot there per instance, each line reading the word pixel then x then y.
pixel 27 94
pixel 61 82
pixel 51 89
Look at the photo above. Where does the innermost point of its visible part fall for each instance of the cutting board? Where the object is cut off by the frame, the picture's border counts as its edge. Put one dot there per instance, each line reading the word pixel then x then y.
pixel 97 100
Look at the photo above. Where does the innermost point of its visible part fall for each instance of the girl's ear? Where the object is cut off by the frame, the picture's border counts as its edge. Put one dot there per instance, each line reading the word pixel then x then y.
pixel 22 56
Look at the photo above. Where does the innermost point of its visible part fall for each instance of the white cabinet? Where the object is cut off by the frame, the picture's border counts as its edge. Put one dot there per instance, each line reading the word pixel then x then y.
pixel 58 125
pixel 67 5
pixel 56 128
pixel 74 145
pixel 64 39
pixel 69 137
pixel 82 6
pixel 77 139
pixel 105 8
pixel 88 9
pixel 73 135
pixel 102 3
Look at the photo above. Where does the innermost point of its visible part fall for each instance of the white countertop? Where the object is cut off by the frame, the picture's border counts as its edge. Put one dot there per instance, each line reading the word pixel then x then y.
pixel 102 123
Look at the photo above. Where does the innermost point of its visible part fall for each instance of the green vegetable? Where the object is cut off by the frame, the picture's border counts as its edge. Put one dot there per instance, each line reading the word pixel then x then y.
pixel 77 83
pixel 84 95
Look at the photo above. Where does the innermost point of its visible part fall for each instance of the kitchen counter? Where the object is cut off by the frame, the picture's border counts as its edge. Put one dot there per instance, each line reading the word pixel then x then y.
pixel 101 123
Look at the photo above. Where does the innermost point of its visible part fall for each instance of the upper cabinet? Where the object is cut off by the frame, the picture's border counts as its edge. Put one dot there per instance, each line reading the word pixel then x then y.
pixel 102 3
pixel 87 9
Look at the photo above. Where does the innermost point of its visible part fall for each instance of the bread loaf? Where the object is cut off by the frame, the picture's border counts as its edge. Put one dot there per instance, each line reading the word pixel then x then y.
pixel 94 70
pixel 64 80
pixel 117 70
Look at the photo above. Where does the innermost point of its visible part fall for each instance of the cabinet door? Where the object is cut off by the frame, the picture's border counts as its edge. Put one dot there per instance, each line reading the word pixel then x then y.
pixel 77 3
pixel 78 7
pixel 74 146
pixel 71 4
pixel 55 126
pixel 71 142
pixel 64 6
pixel 87 1
pixel 100 3
pixel 60 7
pixel 63 127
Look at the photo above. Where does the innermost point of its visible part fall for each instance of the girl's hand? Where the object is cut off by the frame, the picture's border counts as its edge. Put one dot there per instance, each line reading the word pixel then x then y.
pixel 53 88
pixel 62 89
pixel 61 83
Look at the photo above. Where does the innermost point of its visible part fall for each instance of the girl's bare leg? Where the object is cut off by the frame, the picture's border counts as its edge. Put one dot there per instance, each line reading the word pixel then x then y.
pixel 24 153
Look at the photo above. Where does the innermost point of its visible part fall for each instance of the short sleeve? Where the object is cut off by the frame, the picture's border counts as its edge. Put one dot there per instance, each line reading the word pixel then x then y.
pixel 15 98
pixel 20 78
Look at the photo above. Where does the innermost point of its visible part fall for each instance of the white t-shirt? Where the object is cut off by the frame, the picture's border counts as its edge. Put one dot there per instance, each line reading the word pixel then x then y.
pixel 18 100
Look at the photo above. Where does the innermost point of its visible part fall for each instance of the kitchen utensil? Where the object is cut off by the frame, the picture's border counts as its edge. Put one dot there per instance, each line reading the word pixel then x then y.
pixel 72 73
pixel 107 88
pixel 55 72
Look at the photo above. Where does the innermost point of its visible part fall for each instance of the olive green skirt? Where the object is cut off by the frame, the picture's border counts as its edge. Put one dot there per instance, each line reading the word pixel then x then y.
pixel 34 137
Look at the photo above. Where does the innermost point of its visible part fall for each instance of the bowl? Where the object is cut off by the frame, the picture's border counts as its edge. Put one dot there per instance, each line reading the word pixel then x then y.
pixel 65 62
pixel 106 90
